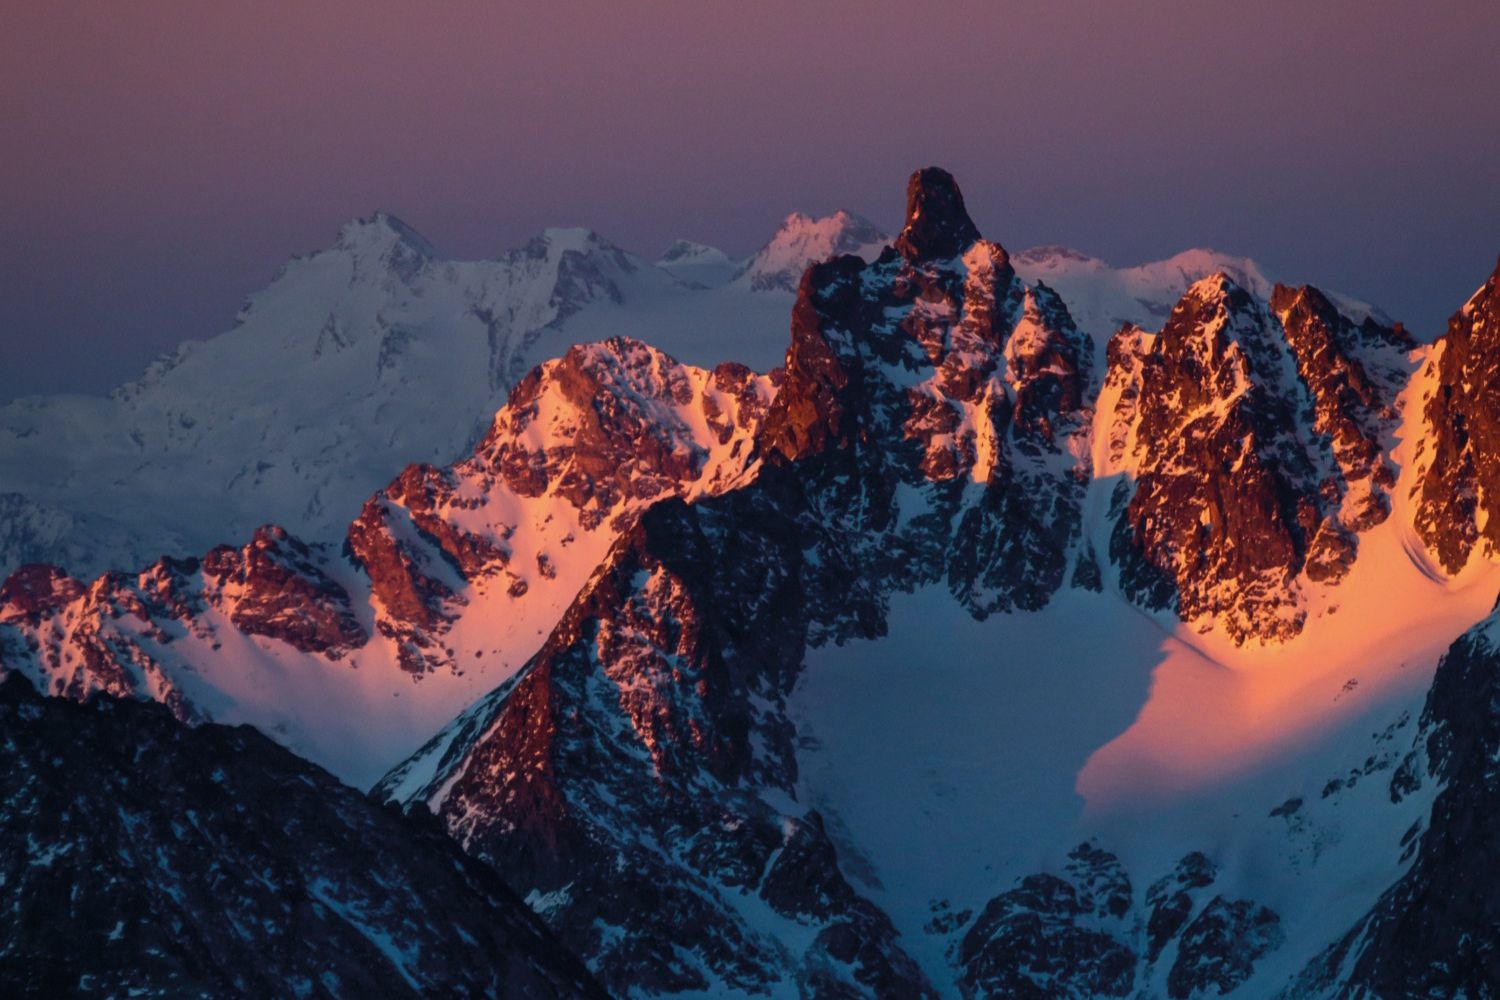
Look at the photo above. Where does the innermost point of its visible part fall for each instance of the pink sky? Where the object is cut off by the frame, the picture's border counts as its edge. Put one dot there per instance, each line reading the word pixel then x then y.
pixel 161 159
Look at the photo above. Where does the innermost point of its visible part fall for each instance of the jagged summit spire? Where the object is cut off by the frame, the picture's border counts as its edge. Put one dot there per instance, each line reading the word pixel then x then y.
pixel 937 224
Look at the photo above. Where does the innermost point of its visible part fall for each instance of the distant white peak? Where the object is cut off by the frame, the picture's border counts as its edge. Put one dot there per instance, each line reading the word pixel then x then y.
pixel 562 239
pixel 1178 272
pixel 842 231
pixel 699 266
pixel 1201 262
pixel 1054 257
pixel 803 240
pixel 579 252
pixel 381 233
pixel 688 252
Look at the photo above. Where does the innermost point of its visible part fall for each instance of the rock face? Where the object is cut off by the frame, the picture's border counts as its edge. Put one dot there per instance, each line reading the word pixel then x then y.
pixel 586 442
pixel 1458 459
pixel 947 373
pixel 1053 936
pixel 930 429
pixel 274 587
pixel 119 635
pixel 1254 447
pixel 1354 373
pixel 145 858
pixel 937 224
pixel 1432 933
pixel 1079 935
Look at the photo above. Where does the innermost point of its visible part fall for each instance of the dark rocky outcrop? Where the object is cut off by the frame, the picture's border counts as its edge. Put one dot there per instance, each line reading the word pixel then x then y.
pixel 145 858
pixel 1353 372
pixel 1169 901
pixel 1218 950
pixel 1433 933
pixel 1078 934
pixel 937 224
pixel 1054 936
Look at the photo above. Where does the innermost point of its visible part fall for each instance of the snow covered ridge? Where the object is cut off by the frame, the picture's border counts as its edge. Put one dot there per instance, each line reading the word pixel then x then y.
pixel 448 576
pixel 1103 298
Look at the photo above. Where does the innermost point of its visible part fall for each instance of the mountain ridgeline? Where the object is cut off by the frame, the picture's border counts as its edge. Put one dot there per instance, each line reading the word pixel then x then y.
pixel 581 647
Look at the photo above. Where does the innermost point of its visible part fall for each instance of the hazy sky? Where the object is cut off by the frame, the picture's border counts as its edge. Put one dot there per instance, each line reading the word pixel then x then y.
pixel 158 161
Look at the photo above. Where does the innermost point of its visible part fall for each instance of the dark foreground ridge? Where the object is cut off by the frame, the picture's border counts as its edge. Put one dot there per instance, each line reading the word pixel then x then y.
pixel 144 858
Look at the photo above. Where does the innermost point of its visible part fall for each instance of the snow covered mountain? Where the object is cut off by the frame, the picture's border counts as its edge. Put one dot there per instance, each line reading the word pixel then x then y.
pixel 972 652
pixel 803 240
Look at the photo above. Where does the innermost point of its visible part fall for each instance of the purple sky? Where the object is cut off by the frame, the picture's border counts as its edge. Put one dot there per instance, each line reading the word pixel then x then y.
pixel 158 161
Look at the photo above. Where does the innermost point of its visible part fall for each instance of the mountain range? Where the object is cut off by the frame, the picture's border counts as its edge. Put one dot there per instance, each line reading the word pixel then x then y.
pixel 378 351
pixel 1028 628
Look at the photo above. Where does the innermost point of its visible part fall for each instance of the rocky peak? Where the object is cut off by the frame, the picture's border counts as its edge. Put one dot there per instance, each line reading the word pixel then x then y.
pixel 273 586
pixel 1230 495
pixel 1349 334
pixel 583 444
pixel 1354 372
pixel 36 590
pixel 1221 334
pixel 936 372
pixel 928 431
pixel 937 224
pixel 616 419
pixel 1457 510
